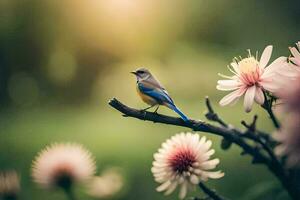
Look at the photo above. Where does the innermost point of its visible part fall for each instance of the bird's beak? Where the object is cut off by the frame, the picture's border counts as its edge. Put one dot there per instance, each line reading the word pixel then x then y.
pixel 133 72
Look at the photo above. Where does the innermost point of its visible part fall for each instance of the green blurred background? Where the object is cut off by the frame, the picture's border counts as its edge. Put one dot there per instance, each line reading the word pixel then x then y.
pixel 62 60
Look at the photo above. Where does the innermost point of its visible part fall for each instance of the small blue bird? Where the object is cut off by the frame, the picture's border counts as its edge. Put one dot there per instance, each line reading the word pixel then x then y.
pixel 153 93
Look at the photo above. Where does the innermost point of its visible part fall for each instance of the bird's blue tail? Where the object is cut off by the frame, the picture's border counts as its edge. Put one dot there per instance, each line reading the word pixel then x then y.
pixel 183 116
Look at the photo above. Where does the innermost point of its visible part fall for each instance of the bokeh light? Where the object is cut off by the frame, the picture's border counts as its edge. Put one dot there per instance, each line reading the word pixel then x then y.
pixel 23 89
pixel 58 73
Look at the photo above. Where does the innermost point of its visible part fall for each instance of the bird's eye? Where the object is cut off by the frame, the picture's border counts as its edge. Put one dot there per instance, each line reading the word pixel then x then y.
pixel 140 72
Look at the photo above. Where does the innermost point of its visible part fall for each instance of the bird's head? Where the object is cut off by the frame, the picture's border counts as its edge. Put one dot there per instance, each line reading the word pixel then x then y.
pixel 142 74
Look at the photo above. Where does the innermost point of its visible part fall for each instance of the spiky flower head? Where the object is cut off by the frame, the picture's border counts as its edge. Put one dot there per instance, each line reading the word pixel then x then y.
pixel 184 161
pixel 63 165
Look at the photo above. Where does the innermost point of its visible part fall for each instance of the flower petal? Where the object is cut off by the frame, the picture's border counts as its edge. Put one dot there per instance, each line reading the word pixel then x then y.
pixel 278 64
pixel 228 82
pixel 210 164
pixel 249 98
pixel 163 186
pixel 270 85
pixel 265 56
pixel 296 61
pixel 227 85
pixel 183 190
pixel 295 52
pixel 171 188
pixel 231 97
pixel 215 175
pixel 194 179
pixel 288 71
pixel 259 96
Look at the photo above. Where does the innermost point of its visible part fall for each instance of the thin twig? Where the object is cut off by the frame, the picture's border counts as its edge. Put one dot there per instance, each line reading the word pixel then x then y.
pixel 211 115
pixel 268 107
pixel 258 134
pixel 250 133
pixel 211 193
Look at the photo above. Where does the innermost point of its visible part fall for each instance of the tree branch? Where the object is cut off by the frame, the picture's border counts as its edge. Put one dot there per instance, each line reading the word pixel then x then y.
pixel 231 134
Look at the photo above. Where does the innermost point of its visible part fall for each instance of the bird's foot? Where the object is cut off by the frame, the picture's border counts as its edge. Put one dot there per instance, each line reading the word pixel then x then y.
pixel 145 109
pixel 155 111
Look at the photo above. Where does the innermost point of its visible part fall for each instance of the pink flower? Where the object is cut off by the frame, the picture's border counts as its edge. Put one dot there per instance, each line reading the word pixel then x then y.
pixel 252 77
pixel 184 161
pixel 289 138
pixel 291 96
pixel 295 56
pixel 289 134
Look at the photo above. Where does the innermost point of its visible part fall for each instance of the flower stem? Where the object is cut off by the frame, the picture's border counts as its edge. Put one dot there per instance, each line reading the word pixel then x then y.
pixel 10 197
pixel 70 194
pixel 268 107
pixel 211 193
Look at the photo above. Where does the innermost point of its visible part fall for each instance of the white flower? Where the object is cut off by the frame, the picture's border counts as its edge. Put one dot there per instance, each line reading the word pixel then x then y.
pixel 62 165
pixel 183 160
pixel 9 184
pixel 289 138
pixel 108 184
pixel 252 77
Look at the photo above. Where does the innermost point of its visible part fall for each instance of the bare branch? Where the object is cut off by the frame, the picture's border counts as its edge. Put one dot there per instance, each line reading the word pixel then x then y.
pixel 211 115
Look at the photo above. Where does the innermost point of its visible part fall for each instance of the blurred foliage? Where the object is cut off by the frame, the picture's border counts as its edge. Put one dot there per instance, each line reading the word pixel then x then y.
pixel 61 60
pixel 63 48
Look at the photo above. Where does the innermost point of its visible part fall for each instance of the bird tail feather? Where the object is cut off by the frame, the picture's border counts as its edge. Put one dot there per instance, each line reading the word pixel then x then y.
pixel 183 116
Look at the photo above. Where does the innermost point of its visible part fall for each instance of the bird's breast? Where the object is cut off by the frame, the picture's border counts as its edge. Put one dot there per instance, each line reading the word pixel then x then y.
pixel 147 99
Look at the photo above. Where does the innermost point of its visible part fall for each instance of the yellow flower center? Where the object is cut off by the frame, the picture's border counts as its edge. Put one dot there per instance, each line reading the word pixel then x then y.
pixel 248 65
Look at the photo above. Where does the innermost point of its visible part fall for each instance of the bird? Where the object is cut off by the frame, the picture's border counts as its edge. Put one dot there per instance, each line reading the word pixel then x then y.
pixel 153 93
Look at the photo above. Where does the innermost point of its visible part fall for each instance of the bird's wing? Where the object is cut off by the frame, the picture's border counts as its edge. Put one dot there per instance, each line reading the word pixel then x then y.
pixel 159 94
pixel 155 82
